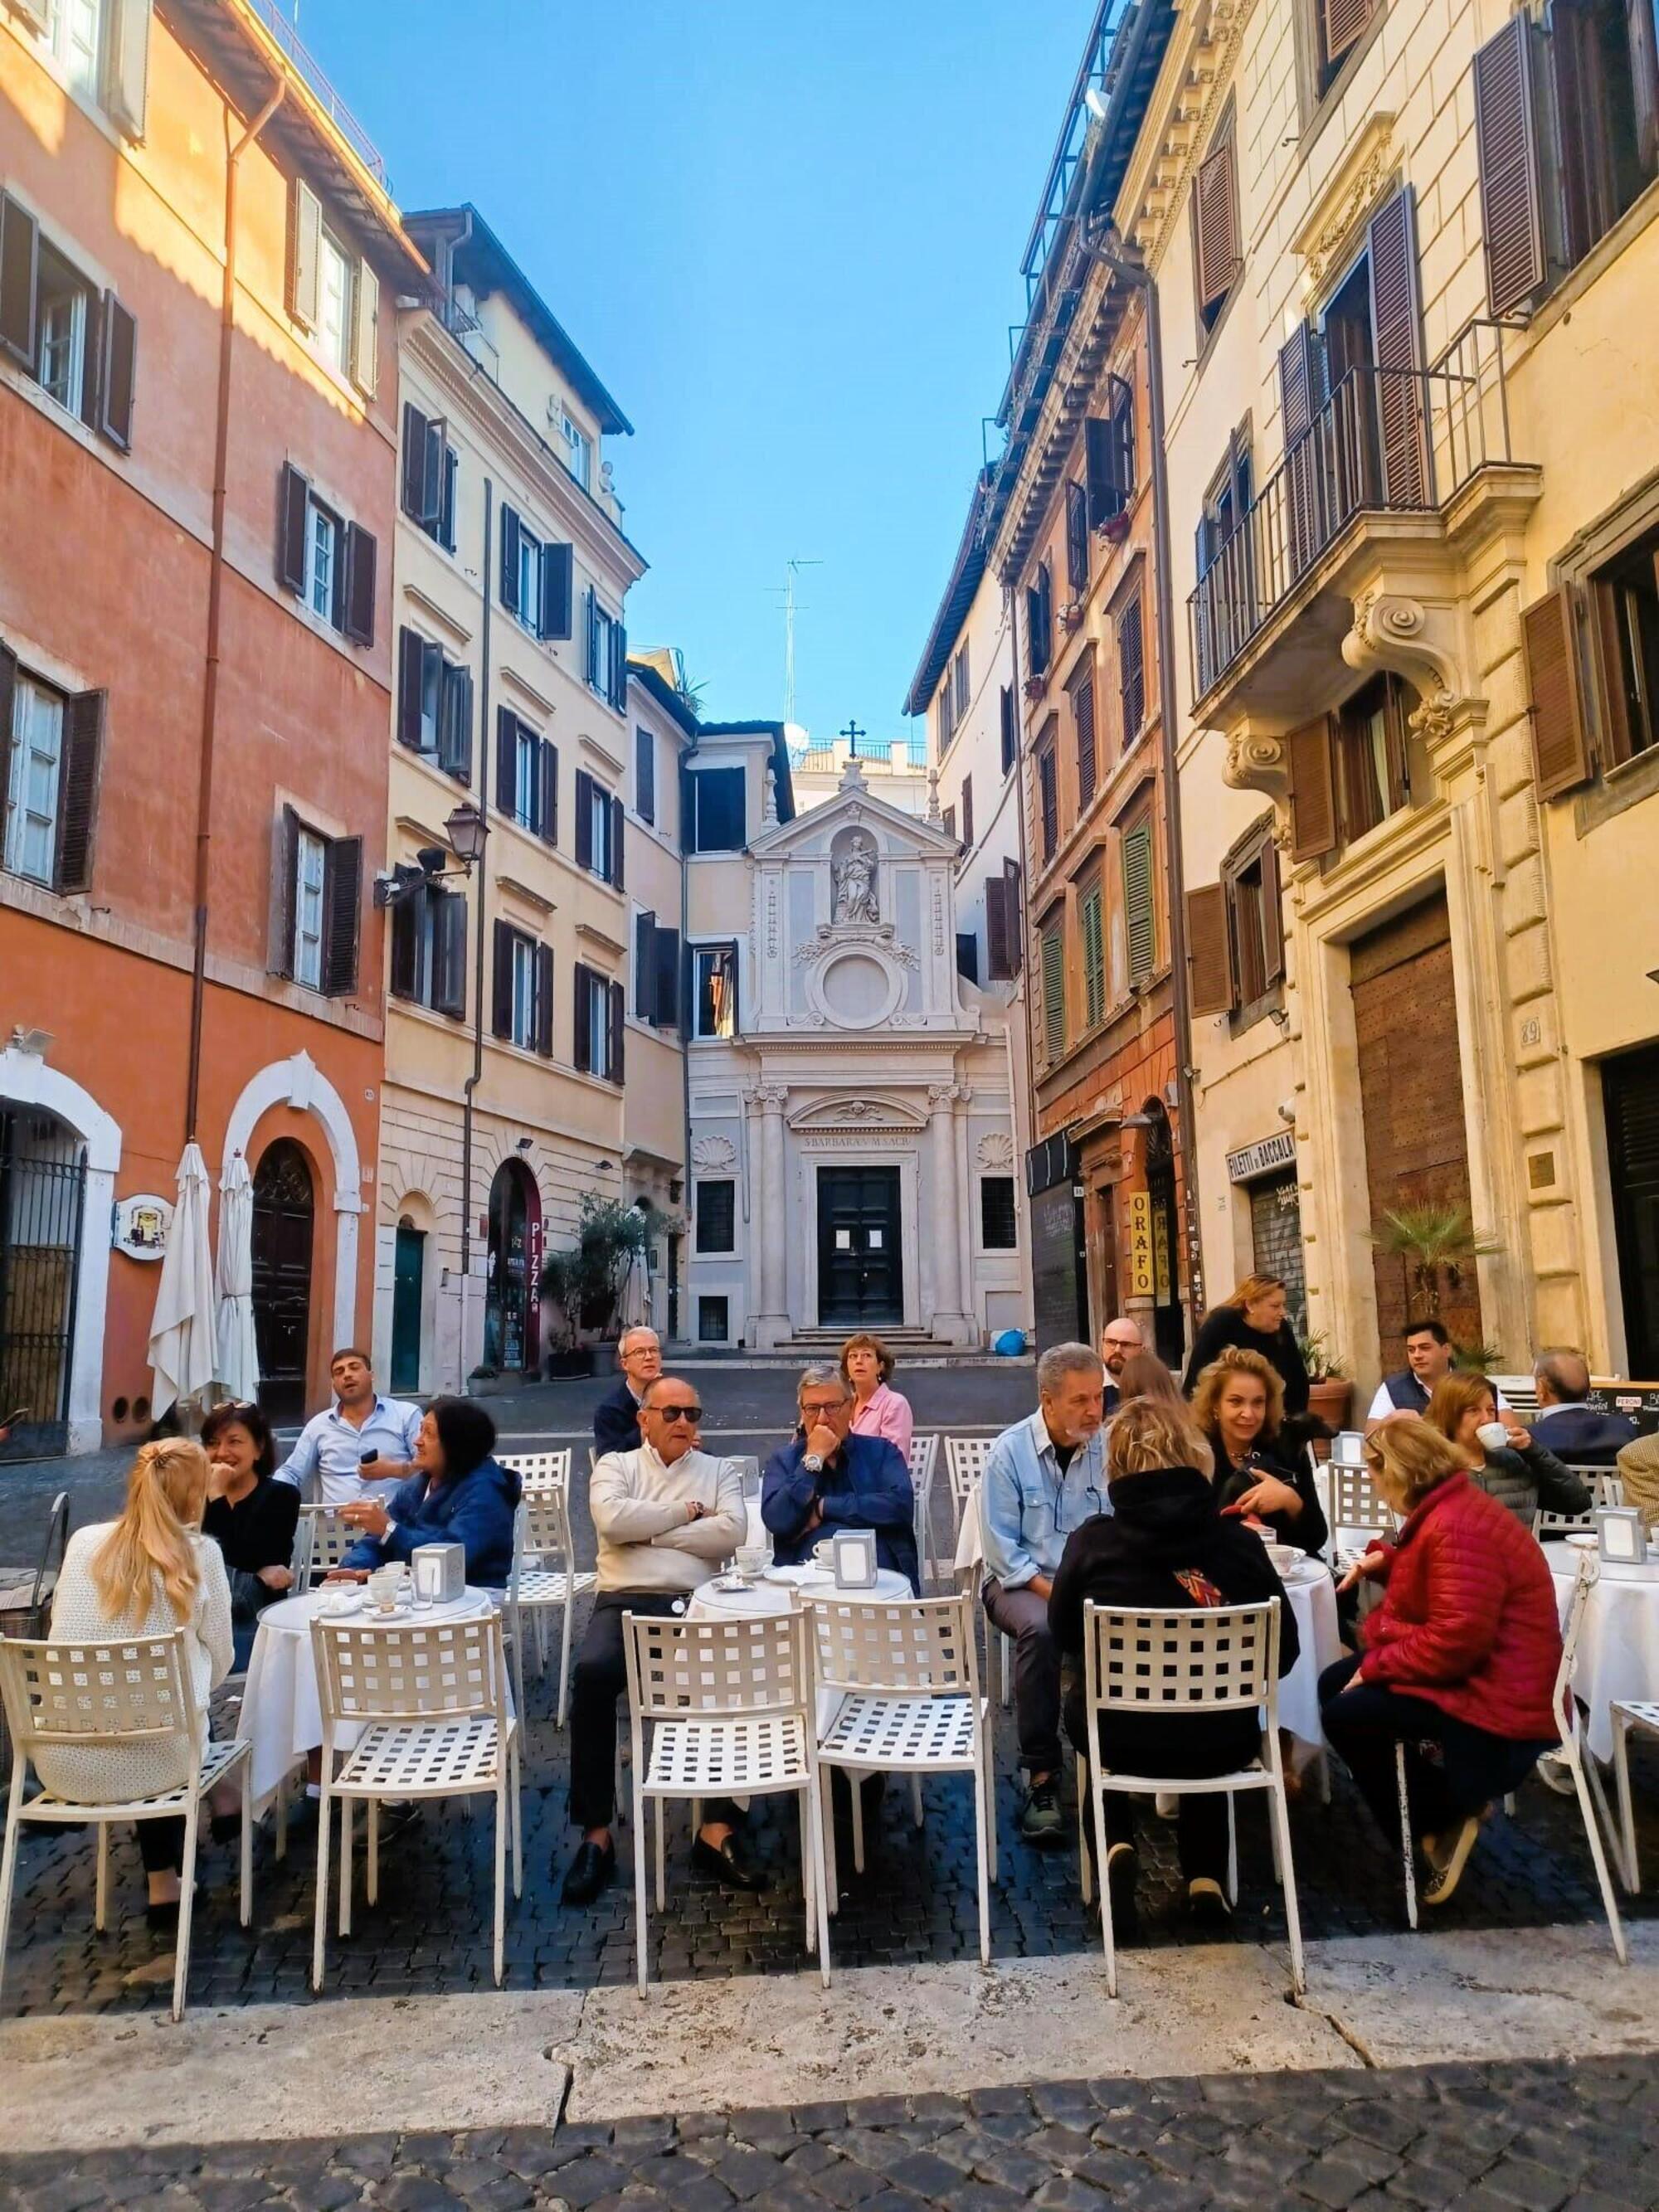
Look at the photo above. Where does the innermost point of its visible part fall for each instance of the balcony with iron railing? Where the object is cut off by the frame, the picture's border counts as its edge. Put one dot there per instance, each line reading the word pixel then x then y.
pixel 278 23
pixel 1387 442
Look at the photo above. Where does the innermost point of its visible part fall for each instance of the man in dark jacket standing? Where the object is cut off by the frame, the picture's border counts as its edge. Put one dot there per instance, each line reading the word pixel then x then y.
pixel 826 1479
pixel 616 1416
pixel 1165 1545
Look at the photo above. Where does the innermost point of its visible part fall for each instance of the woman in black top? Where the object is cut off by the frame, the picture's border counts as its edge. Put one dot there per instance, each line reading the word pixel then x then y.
pixel 249 1516
pixel 1239 1405
pixel 1254 1317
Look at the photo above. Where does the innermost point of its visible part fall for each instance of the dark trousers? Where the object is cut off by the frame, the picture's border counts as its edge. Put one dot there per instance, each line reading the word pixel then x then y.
pixel 600 1679
pixel 1023 1615
pixel 162 1846
pixel 1183 1750
pixel 1452 1768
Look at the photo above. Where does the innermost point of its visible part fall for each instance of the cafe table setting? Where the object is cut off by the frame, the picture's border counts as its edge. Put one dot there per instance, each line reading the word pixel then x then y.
pixel 1618 1655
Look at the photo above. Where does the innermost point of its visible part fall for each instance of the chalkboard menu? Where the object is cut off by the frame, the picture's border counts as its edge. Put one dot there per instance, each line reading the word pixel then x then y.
pixel 1639 1401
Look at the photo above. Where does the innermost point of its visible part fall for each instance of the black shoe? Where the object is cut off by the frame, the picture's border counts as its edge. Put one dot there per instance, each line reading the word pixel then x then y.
pixel 589 1873
pixel 1122 1866
pixel 398 1817
pixel 1206 1901
pixel 730 1863
pixel 1042 1821
pixel 225 1827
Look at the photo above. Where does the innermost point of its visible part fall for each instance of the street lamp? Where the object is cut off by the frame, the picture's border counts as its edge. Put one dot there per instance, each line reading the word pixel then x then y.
pixel 466 830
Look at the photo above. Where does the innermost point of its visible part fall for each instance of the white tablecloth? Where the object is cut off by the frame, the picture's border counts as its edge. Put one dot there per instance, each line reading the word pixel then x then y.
pixel 710 1603
pixel 281 1712
pixel 1618 1644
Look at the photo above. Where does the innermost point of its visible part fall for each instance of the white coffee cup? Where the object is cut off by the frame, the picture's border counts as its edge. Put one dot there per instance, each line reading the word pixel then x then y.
pixel 383 1590
pixel 823 1555
pixel 1492 1435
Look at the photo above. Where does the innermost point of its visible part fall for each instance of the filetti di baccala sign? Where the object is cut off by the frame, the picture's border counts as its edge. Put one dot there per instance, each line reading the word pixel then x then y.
pixel 1260 1159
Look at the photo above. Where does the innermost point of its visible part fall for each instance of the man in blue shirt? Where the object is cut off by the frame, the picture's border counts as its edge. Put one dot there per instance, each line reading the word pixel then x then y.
pixel 1044 1477
pixel 827 1479
pixel 329 1451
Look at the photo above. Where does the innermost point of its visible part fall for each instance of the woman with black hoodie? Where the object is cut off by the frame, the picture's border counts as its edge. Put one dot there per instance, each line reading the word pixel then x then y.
pixel 1163 1544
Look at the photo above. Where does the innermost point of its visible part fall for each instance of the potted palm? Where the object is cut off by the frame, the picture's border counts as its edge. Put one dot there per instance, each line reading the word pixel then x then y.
pixel 1434 1245
pixel 1330 1393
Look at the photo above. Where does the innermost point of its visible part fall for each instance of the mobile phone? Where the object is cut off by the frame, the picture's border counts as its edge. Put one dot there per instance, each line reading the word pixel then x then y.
pixel 367 1458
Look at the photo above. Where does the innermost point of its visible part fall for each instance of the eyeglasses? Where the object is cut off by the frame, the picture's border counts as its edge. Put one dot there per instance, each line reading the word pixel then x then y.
pixel 672 1414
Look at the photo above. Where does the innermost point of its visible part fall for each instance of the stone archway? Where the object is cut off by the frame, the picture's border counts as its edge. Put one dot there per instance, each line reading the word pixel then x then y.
pixel 301 1083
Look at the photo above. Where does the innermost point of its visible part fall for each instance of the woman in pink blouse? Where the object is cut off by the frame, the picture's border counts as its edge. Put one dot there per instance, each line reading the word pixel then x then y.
pixel 877 1411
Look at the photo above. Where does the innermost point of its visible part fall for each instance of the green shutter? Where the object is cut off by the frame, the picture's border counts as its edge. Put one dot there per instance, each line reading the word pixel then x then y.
pixel 1054 993
pixel 1094 956
pixel 1137 902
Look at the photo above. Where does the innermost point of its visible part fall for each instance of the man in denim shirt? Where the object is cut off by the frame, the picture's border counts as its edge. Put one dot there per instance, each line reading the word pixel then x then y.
pixel 1045 1477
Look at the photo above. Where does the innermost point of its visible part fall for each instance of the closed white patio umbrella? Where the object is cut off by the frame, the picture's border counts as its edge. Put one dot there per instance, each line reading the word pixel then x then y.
pixel 239 1350
pixel 182 1349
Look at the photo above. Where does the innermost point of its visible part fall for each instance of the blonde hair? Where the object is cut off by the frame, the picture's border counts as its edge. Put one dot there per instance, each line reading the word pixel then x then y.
pixel 1148 1434
pixel 1252 1288
pixel 167 1489
pixel 1409 1459
pixel 1454 1396
pixel 1237 1359
pixel 884 1361
pixel 1145 1375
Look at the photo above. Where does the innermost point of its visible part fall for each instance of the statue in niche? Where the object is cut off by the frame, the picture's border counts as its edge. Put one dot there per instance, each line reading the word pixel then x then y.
pixel 853 875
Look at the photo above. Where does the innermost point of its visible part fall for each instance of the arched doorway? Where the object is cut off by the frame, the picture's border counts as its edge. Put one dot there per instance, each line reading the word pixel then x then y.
pixel 408 1306
pixel 512 1306
pixel 1169 1334
pixel 284 1221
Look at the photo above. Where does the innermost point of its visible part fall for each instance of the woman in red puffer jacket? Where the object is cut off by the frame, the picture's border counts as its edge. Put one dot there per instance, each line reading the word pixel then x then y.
pixel 1459 1659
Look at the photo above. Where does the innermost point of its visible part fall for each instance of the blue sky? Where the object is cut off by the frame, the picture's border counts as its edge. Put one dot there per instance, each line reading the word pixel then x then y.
pixel 788 239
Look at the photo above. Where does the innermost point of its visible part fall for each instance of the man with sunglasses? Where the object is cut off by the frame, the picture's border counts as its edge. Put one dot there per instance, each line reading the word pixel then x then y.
pixel 668 1514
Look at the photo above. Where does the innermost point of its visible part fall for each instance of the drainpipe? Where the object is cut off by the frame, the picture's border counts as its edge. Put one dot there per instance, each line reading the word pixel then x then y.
pixel 1108 248
pixel 683 982
pixel 215 603
pixel 1024 976
pixel 477 1077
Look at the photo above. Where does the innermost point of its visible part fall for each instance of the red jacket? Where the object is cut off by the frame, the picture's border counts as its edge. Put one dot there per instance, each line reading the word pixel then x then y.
pixel 1468 1619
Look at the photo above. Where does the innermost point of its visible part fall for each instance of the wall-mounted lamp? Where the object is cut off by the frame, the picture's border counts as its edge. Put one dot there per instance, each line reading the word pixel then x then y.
pixel 467 831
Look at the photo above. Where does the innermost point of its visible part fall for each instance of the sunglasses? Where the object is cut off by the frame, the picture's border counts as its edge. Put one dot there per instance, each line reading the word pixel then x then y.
pixel 672 1414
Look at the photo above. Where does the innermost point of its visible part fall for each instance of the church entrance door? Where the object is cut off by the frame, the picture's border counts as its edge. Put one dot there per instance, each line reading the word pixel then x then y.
pixel 861 1275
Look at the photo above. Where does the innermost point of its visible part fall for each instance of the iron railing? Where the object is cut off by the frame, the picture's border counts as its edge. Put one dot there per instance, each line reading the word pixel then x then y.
pixel 43 1181
pixel 1387 440
pixel 279 24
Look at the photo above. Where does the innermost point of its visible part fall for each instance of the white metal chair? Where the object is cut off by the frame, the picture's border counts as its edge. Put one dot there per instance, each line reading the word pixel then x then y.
pixel 1216 1660
pixel 924 1454
pixel 321 1540
pixel 1518 1392
pixel 730 1712
pixel 129 1690
pixel 1642 1715
pixel 541 1526
pixel 1604 1489
pixel 964 1462
pixel 1357 1508
pixel 536 1467
pixel 427 1701
pixel 905 1679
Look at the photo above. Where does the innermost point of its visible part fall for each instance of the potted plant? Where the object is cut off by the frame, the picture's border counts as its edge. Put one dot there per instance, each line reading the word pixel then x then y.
pixel 1434 1245
pixel 559 1288
pixel 585 1284
pixel 1330 1393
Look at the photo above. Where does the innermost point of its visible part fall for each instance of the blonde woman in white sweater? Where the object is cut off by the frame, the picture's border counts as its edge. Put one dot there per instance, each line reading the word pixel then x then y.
pixel 148 1574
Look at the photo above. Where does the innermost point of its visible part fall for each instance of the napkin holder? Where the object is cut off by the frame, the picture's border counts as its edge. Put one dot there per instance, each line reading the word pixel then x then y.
pixel 855 1560
pixel 1621 1535
pixel 438 1571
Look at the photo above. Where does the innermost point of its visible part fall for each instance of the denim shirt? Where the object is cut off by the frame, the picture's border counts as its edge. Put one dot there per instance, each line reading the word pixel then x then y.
pixel 1027 1508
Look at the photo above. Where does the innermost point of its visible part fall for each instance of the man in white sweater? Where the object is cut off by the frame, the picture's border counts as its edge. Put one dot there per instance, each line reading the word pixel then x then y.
pixel 667 1515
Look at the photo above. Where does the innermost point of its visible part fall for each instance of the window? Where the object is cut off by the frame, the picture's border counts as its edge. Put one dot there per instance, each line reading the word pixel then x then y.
pixel 102 49
pixel 1083 726
pixel 327 563
pixel 1004 945
pixel 435 704
pixel 1235 931
pixel 317 883
pixel 999 1222
pixel 1140 925
pixel 968 811
pixel 1593 669
pixel 334 303
pixel 538 579
pixel 1216 257
pixel 715 990
pixel 1040 621
pixel 713 1324
pixel 645 774
pixel 523 1024
pixel 429 467
pixel 1332 29
pixel 50 746
pixel 968 955
pixel 1054 991
pixel 428 949
pixel 1372 778
pixel 333 295
pixel 717 811
pixel 1130 672
pixel 1108 447
pixel 601 1009
pixel 1008 727
pixel 75 33
pixel 656 973
pixel 1227 501
pixel 521 991
pixel 947 712
pixel 79 345
pixel 1077 540
pixel 959 679
pixel 526 777
pixel 607 655
pixel 1092 927
pixel 717 1216
pixel 1625 597
pixel 578 452
pixel 1048 794
pixel 322 544
pixel 311 858
pixel 600 830
pixel 950 818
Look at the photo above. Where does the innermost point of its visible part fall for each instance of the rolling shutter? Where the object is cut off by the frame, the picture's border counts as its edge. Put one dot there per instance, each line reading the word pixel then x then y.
pixel 1511 204
pixel 500 993
pixel 1560 740
pixel 342 883
pixel 510 560
pixel 366 330
pixel 544 1000
pixel 558 586
pixel 20 255
pixel 1313 790
pixel 118 369
pixel 1396 331
pixel 1209 950
pixel 292 505
pixel 1139 924
pixel 77 790
pixel 359 609
pixel 305 246
pixel 1216 204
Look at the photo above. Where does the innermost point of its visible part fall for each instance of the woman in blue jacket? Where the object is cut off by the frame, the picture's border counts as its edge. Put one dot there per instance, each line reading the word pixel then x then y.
pixel 461 1495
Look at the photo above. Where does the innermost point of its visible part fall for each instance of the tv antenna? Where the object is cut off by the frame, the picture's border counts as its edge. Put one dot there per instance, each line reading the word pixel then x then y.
pixel 791 608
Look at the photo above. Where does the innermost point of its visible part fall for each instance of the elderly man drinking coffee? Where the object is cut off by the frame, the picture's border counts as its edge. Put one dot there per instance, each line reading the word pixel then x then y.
pixel 828 1478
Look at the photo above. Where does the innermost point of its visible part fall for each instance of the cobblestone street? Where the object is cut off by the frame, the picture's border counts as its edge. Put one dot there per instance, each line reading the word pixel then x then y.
pixel 1529 2137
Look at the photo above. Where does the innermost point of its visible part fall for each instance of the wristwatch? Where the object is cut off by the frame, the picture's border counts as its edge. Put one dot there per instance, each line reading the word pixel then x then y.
pixel 814 1462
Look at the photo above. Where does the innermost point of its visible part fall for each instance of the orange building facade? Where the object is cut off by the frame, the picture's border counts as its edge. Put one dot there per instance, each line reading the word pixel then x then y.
pixel 199 267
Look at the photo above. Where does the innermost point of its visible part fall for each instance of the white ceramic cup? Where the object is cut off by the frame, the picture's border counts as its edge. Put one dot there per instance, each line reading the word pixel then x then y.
pixel 1492 1435
pixel 823 1555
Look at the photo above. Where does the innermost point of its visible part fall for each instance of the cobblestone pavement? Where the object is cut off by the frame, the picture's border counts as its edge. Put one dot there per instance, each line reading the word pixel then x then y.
pixel 1504 2138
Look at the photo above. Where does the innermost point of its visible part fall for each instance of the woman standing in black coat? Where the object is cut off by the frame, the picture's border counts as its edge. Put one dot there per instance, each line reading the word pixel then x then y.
pixel 1254 1317
pixel 1164 1545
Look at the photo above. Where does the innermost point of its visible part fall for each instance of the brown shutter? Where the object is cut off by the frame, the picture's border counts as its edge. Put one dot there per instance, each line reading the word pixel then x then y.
pixel 667 1012
pixel 997 969
pixel 582 1027
pixel 343 884
pixel 77 790
pixel 1217 204
pixel 1344 21
pixel 1104 495
pixel 1610 673
pixel 618 823
pixel 618 1033
pixel 558 586
pixel 359 552
pixel 644 965
pixel 507 762
pixel 407 918
pixel 501 1009
pixel 1082 709
pixel 8 694
pixel 411 670
pixel 1011 894
pixel 1560 742
pixel 366 330
pixel 968 811
pixel 293 504
pixel 584 820
pixel 305 247
pixel 20 255
pixel 117 365
pixel 1299 401
pixel 1512 207
pixel 1209 950
pixel 510 561
pixel 1397 335
pixel 414 487
pixel 1272 910
pixel 547 814
pixel 544 1000
pixel 1131 671
pixel 1313 790
pixel 285 862
pixel 449 955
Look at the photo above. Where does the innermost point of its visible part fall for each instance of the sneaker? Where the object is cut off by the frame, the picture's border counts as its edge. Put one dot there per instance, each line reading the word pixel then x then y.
pixel 1206 1901
pixel 1042 1821
pixel 1555 1774
pixel 1448 1856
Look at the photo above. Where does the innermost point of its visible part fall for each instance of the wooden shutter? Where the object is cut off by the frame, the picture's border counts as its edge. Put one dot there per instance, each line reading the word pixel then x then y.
pixel 507 763
pixel 449 955
pixel 1104 493
pixel 644 965
pixel 1009 729
pixel 1131 671
pixel 544 1000
pixel 645 774
pixel 1272 910
pixel 1209 950
pixel 360 556
pixel 1608 662
pixel 967 811
pixel 510 560
pixel 305 249
pixel 997 969
pixel 558 586
pixel 618 1033
pixel 284 869
pixel 1139 921
pixel 8 695
pixel 1313 790
pixel 77 790
pixel 619 663
pixel 408 919
pixel 366 330
pixel 547 793
pixel 1077 538
pixel 584 820
pixel 591 608
pixel 1083 708
pixel 126 73
pixel 1344 24
pixel 117 365
pixel 1216 204
pixel 1560 740
pixel 343 884
pixel 293 506
pixel 665 1004
pixel 1037 629
pixel 414 491
pixel 1054 992
pixel 618 822
pixel 501 992
pixel 1299 401
pixel 20 259
pixel 1123 435
pixel 1397 336
pixel 1011 892
pixel 411 673
pixel 455 722
pixel 582 1026
pixel 1505 135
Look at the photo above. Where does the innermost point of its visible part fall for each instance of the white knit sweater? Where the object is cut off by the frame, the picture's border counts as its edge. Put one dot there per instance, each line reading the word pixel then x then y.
pixel 110 1773
pixel 639 1508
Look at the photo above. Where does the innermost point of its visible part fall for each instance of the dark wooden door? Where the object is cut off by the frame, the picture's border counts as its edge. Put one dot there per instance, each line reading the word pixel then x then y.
pixel 861 1271
pixel 407 1285
pixel 1630 1088
pixel 284 1221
